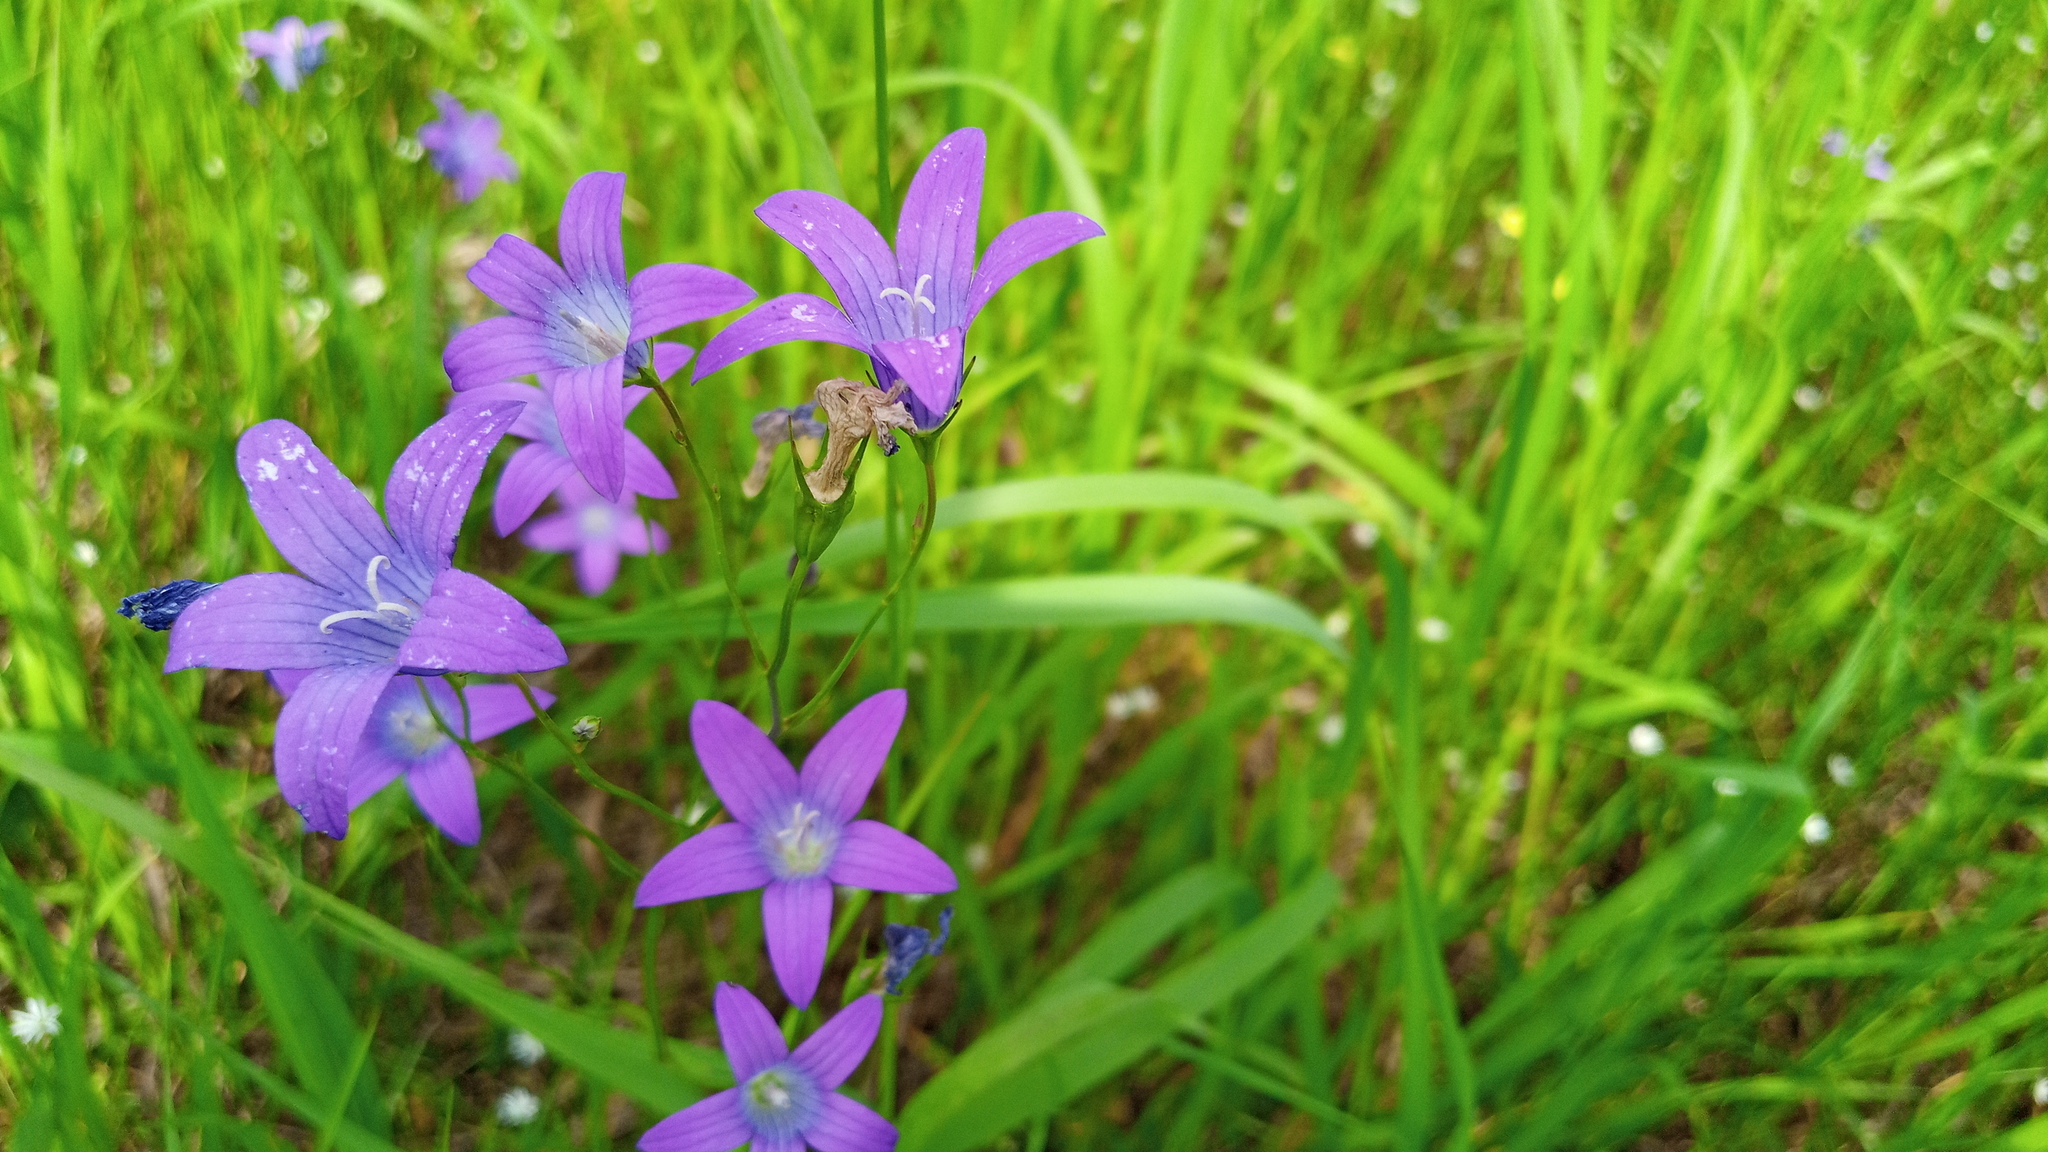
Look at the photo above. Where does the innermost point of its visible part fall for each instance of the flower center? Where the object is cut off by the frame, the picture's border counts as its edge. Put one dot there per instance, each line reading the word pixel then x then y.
pixel 412 732
pixel 602 342
pixel 912 299
pixel 803 846
pixel 596 521
pixel 780 1102
pixel 381 606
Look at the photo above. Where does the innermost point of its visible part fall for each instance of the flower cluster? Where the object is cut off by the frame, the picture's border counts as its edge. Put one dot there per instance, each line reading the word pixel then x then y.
pixel 370 639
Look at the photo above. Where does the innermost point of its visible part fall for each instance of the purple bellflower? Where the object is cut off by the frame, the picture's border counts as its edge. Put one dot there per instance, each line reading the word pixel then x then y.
pixel 292 48
pixel 464 147
pixel 404 739
pixel 784 1100
pixel 1875 165
pixel 598 531
pixel 538 468
pixel 580 325
pixel 909 308
pixel 375 601
pixel 1835 142
pixel 795 836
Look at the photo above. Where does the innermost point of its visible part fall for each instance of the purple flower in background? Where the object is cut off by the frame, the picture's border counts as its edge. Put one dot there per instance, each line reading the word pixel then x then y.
pixel 784 1100
pixel 1835 142
pixel 403 738
pixel 598 531
pixel 909 309
pixel 1875 165
pixel 293 49
pixel 539 468
pixel 580 325
pixel 795 836
pixel 374 601
pixel 464 147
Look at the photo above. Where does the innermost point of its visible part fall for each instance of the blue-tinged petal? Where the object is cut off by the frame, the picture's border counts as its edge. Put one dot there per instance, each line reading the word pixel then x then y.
pixel 796 316
pixel 470 625
pixel 720 860
pixel 495 350
pixel 751 1039
pixel 796 916
pixel 666 296
pixel 848 253
pixel 589 233
pixel 313 514
pixel 496 708
pixel 750 774
pixel 317 733
pixel 842 766
pixel 445 789
pixel 590 409
pixel 846 1125
pixel 645 472
pixel 1020 246
pixel 374 768
pixel 268 620
pixel 874 856
pixel 669 358
pixel 832 1053
pixel 431 483
pixel 533 472
pixel 935 235
pixel 713 1124
pixel 520 277
pixel 930 365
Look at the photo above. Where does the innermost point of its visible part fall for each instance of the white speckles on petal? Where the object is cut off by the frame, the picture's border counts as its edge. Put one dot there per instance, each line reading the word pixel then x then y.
pixel 265 470
pixel 803 312
pixel 291 451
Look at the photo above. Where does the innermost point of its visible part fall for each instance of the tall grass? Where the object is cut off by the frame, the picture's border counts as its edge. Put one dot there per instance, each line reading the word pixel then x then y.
pixel 1462 388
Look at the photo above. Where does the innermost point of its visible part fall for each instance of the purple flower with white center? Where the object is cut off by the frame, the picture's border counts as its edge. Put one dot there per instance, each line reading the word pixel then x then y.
pixel 538 468
pixel 292 48
pixel 598 531
pixel 1835 142
pixel 580 325
pixel 403 738
pixel 784 1100
pixel 1875 165
pixel 795 836
pixel 909 308
pixel 374 601
pixel 464 147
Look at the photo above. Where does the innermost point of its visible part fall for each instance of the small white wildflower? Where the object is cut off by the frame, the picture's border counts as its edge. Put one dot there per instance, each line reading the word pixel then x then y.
pixel 316 309
pixel 214 167
pixel 1330 729
pixel 1133 31
pixel 1283 313
pixel 2041 1092
pixel 1816 829
pixel 1073 391
pixel 1285 182
pixel 1586 386
pixel 161 353
pixel 515 40
pixel 977 856
pixel 2000 277
pixel 1433 629
pixel 2025 44
pixel 1624 511
pixel 517 1107
pixel 916 662
pixel 1924 507
pixel 563 27
pixel 408 149
pixel 85 552
pixel 1841 770
pixel 34 1021
pixel 287 231
pixel 648 51
pixel 2016 241
pixel 1809 398
pixel 75 455
pixel 1645 740
pixel 2027 271
pixel 316 136
pixel 1237 214
pixel 1728 786
pixel 295 279
pixel 1985 31
pixel 365 288
pixel 1364 533
pixel 525 1048
pixel 1454 761
pixel 1142 700
pixel 1338 623
pixel 2037 397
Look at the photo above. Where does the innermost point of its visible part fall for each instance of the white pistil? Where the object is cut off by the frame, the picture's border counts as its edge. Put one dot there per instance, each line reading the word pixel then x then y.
pixel 376 598
pixel 603 342
pixel 914 298
pixel 803 850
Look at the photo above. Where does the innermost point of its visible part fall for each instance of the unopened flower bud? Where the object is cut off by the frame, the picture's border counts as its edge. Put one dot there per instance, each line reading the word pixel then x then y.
pixel 853 412
pixel 586 728
pixel 157 608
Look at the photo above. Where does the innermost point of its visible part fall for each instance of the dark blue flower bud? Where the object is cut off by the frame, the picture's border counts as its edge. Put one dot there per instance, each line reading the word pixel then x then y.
pixel 909 945
pixel 157 609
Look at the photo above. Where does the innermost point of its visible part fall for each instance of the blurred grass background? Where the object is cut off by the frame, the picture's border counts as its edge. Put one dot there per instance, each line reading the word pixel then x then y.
pixel 1462 388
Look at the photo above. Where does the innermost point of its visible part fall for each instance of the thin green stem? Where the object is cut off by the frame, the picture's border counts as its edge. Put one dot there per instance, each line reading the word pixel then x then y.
pixel 583 768
pixel 713 498
pixel 886 1096
pixel 650 987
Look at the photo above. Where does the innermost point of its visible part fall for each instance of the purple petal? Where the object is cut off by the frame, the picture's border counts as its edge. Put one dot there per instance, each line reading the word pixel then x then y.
pixel 260 42
pixel 590 406
pixel 843 765
pixel 496 708
pixel 713 1124
pixel 930 365
pixel 645 472
pixel 719 860
pixel 589 234
pixel 797 918
pixel 270 620
pixel 534 414
pixel 874 856
pixel 445 789
pixel 751 1039
pixel 469 625
pixel 1020 246
pixel 561 532
pixel 769 1142
pixel 832 1052
pixel 796 316
pixel 520 277
pixel 317 733
pixel 374 768
pixel 287 680
pixel 495 350
pixel 315 33
pixel 848 252
pixel 636 537
pixel 533 472
pixel 750 775
pixel 669 358
pixel 313 514
pixel 935 235
pixel 847 1125
pixel 597 565
pixel 666 296
pixel 432 481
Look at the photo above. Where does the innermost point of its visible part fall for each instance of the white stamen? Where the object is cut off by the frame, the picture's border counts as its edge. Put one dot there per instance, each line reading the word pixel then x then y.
pixel 888 292
pixel 606 344
pixel 376 597
pixel 327 625
pixel 921 298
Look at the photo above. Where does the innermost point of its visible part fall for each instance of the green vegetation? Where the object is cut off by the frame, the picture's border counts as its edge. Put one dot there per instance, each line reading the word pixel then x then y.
pixel 1659 414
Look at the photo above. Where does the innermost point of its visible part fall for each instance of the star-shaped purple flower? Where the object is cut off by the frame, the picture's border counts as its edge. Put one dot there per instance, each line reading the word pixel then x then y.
pixel 374 601
pixel 794 836
pixel 464 147
pixel 541 467
pixel 598 531
pixel 784 1100
pixel 403 738
pixel 292 48
pixel 580 325
pixel 909 309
